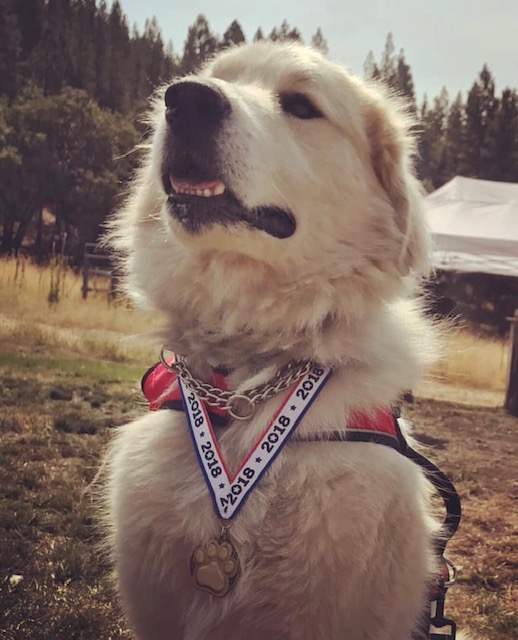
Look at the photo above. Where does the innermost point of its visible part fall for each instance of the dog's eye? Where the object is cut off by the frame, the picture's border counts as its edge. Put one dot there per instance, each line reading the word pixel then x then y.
pixel 299 105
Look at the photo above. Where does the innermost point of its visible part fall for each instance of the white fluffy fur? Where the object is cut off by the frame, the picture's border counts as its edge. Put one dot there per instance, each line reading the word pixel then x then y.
pixel 335 541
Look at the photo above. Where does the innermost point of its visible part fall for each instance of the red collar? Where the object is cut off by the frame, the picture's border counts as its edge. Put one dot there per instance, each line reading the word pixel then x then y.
pixel 161 388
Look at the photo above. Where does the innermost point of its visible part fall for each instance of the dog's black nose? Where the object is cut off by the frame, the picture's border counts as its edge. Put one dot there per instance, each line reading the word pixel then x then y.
pixel 194 106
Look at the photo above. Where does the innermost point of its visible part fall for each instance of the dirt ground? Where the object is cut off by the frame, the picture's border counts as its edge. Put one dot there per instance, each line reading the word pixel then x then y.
pixel 477 447
pixel 55 420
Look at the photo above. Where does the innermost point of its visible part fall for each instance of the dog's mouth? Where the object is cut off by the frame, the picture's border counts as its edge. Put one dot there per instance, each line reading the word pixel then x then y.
pixel 200 203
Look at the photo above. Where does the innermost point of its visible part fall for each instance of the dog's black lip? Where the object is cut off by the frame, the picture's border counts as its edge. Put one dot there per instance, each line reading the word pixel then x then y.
pixel 196 212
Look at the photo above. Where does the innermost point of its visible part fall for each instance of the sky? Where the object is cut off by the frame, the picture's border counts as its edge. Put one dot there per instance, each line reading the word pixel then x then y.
pixel 446 42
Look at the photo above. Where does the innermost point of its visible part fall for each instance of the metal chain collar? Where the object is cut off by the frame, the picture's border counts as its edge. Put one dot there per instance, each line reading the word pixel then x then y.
pixel 240 406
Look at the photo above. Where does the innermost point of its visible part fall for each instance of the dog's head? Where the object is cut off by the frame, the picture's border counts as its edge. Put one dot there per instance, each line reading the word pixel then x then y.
pixel 274 170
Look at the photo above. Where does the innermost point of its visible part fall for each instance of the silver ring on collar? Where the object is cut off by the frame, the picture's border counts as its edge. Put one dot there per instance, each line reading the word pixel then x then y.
pixel 240 407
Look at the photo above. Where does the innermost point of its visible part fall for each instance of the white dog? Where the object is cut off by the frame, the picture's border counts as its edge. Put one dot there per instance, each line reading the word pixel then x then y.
pixel 276 219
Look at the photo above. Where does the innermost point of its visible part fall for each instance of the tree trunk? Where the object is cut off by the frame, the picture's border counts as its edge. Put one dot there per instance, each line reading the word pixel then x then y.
pixel 20 235
pixel 6 245
pixel 39 236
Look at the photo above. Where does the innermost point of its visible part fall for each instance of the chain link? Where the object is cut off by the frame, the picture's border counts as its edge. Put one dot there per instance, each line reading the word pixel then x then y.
pixel 226 400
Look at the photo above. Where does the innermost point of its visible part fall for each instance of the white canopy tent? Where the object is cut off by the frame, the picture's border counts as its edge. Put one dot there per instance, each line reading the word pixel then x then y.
pixel 474 224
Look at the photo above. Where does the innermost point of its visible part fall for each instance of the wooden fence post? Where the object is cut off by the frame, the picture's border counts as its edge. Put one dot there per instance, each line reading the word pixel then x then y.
pixel 511 397
pixel 96 264
pixel 84 288
pixel 113 286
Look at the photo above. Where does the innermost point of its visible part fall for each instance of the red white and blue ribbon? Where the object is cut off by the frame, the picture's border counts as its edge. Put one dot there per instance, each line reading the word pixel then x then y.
pixel 230 492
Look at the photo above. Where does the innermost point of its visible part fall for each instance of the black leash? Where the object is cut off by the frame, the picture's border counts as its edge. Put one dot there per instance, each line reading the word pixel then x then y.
pixel 440 627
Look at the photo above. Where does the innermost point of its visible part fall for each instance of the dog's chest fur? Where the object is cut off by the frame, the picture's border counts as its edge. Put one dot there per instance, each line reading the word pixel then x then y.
pixel 324 511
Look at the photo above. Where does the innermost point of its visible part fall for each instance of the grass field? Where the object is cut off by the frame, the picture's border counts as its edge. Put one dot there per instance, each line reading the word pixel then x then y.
pixel 69 374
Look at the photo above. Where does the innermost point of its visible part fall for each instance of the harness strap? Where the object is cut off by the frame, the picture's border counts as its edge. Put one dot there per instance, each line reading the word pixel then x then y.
pixel 161 388
pixel 379 427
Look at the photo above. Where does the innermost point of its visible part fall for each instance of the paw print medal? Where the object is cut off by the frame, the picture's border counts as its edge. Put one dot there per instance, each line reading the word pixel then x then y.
pixel 215 564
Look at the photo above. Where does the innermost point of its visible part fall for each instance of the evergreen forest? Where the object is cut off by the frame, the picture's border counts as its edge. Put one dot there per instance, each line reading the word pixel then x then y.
pixel 75 79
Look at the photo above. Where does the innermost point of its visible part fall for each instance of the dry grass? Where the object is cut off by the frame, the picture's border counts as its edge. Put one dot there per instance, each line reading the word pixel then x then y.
pixel 95 328
pixel 477 447
pixel 24 292
pixel 69 372
pixel 55 421
pixel 474 362
pixel 100 329
pixel 54 425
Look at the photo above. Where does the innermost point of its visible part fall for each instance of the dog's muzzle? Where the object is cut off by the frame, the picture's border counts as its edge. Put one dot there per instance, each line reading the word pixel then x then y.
pixel 192 171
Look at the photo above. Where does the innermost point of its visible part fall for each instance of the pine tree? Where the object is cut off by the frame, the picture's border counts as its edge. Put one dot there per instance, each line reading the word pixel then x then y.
pixel 388 64
pixel 233 35
pixel 258 35
pixel 155 67
pixel 83 63
pixel 140 83
pixel 104 52
pixel 30 20
pixel 319 42
pixel 53 55
pixel 503 150
pixel 56 46
pixel 285 33
pixel 454 139
pixel 393 71
pixel 432 143
pixel 480 109
pixel 171 62
pixel 488 104
pixel 200 45
pixel 119 61
pixel 10 48
pixel 371 70
pixel 405 81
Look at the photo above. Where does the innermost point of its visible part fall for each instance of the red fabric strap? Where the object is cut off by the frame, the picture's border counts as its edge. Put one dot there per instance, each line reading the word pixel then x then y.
pixel 380 421
pixel 161 388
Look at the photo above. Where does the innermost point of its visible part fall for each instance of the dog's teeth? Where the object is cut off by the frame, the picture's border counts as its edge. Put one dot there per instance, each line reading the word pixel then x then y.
pixel 216 189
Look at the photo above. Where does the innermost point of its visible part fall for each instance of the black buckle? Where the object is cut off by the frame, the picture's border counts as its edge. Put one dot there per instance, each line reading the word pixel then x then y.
pixel 447 636
pixel 441 628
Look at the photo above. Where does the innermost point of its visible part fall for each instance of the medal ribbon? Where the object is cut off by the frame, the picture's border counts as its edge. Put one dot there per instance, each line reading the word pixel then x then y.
pixel 230 492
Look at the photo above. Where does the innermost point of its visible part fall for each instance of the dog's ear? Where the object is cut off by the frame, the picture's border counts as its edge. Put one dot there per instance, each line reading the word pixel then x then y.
pixel 392 149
